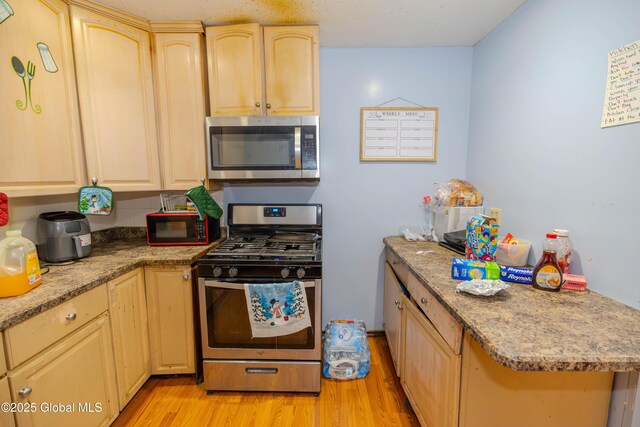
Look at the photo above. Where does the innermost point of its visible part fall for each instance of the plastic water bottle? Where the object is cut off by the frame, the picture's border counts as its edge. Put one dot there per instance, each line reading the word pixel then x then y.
pixel 19 265
pixel 565 247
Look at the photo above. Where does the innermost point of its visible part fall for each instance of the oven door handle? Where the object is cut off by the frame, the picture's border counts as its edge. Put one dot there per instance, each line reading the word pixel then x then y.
pixel 240 286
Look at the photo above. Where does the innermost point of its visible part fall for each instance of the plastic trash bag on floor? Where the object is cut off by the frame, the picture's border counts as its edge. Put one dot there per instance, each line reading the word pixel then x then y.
pixel 346 350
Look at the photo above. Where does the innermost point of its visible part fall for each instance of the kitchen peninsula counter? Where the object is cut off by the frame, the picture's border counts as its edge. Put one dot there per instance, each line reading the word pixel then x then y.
pixel 107 261
pixel 527 329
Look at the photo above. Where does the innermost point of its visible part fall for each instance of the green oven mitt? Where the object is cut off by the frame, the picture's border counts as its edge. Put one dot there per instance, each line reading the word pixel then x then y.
pixel 204 202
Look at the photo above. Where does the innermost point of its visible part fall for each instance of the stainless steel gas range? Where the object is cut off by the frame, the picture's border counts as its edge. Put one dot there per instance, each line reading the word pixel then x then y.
pixel 266 244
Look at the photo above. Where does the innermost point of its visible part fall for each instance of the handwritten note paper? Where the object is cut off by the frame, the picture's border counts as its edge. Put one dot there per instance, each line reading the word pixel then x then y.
pixel 622 98
pixel 398 134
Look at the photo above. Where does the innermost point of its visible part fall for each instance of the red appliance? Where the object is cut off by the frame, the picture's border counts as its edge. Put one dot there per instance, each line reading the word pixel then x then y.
pixel 176 229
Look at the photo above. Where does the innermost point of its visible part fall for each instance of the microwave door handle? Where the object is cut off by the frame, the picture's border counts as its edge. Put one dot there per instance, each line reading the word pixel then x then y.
pixel 296 146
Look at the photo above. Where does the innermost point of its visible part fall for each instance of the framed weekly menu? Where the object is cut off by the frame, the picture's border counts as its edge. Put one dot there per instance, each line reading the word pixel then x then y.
pixel 404 134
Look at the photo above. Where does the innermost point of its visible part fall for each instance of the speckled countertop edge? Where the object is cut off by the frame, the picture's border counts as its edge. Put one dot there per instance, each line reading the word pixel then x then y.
pixel 107 261
pixel 587 331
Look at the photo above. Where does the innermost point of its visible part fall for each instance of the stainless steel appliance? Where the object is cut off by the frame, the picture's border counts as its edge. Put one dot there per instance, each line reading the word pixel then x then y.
pixel 175 229
pixel 63 236
pixel 266 244
pixel 263 148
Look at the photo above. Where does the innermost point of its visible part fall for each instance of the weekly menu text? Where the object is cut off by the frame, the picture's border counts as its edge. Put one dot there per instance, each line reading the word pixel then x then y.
pixel 622 97
pixel 399 134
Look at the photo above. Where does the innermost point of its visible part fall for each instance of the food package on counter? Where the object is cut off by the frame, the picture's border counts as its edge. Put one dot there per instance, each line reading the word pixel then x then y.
pixel 464 269
pixel 482 238
pixel 575 282
pixel 346 350
pixel 516 274
pixel 456 192
pixel 483 288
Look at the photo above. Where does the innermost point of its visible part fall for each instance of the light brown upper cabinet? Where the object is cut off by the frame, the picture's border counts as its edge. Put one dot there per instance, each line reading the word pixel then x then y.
pixel 41 138
pixel 115 89
pixel 179 72
pixel 290 70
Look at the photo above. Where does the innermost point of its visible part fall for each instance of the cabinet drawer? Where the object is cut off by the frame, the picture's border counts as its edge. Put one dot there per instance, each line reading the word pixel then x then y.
pixel 34 335
pixel 3 363
pixel 448 327
pixel 399 267
pixel 263 376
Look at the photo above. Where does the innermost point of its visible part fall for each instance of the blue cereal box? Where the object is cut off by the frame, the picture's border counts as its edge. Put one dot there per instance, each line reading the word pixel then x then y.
pixel 464 269
pixel 482 238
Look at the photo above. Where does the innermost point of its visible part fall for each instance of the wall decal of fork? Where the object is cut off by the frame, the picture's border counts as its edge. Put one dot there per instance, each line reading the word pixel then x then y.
pixel 30 74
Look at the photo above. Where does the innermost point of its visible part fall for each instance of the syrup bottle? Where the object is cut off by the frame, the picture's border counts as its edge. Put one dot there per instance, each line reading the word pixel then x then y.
pixel 547 274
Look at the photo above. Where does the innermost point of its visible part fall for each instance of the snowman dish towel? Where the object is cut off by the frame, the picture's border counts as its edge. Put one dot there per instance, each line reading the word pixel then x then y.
pixel 277 309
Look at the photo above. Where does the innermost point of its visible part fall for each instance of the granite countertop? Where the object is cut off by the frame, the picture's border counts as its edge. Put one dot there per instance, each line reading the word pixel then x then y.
pixel 532 330
pixel 108 260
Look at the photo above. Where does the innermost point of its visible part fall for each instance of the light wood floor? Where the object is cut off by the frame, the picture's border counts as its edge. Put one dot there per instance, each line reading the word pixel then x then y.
pixel 377 400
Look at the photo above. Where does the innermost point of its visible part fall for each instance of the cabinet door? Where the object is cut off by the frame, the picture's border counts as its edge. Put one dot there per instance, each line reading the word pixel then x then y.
pixel 430 371
pixel 115 88
pixel 76 374
pixel 128 311
pixel 292 70
pixel 181 108
pixel 170 308
pixel 392 315
pixel 39 121
pixel 235 70
pixel 6 418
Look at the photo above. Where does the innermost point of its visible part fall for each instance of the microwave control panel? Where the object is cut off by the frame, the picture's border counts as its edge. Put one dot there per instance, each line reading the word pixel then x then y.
pixel 309 147
pixel 201 230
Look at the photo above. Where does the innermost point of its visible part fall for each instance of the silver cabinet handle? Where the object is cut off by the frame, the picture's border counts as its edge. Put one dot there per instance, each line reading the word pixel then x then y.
pixel 261 370
pixel 186 276
pixel 258 104
pixel 268 105
pixel 24 392
pixel 400 307
pixel 423 300
pixel 71 316
pixel 396 302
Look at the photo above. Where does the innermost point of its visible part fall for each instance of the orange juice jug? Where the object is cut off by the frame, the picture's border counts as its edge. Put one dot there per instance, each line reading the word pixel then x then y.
pixel 19 265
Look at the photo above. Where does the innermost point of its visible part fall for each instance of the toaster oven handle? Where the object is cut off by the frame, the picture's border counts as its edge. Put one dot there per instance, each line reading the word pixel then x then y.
pixel 240 286
pixel 297 137
pixel 78 244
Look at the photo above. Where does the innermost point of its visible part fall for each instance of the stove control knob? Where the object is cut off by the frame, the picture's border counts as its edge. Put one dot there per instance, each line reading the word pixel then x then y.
pixel 217 272
pixel 300 273
pixel 233 272
pixel 284 273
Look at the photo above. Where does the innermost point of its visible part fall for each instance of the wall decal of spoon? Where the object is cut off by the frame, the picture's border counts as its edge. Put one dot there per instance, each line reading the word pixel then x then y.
pixel 18 67
pixel 31 73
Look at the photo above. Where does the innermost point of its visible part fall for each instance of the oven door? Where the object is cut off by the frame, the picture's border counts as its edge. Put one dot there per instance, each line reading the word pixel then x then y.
pixel 226 332
pixel 245 152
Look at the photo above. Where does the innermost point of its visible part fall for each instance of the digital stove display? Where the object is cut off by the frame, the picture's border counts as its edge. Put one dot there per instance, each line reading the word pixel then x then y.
pixel 275 212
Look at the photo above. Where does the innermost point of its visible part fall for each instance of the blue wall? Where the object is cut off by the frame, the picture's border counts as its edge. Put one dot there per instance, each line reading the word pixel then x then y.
pixel 535 144
pixel 366 201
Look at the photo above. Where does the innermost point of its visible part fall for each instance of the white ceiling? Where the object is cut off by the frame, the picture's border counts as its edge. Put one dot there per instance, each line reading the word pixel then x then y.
pixel 380 23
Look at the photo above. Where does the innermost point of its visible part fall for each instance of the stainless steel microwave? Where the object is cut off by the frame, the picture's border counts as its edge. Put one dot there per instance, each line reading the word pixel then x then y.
pixel 263 148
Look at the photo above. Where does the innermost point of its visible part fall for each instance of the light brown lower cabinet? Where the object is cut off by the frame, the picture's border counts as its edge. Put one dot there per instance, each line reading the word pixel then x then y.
pixel 128 312
pixel 72 383
pixel 430 373
pixel 170 310
pixel 393 315
pixel 494 396
pixel 6 418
